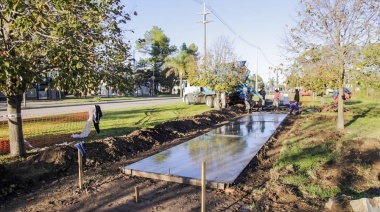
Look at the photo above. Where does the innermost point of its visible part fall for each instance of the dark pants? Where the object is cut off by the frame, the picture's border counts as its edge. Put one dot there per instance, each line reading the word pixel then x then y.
pixel 293 107
pixel 248 105
pixel 96 125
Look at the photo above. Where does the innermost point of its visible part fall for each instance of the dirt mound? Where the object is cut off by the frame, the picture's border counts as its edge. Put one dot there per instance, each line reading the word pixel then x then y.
pixel 47 180
pixel 54 162
pixel 284 198
pixel 260 178
pixel 330 108
pixel 355 154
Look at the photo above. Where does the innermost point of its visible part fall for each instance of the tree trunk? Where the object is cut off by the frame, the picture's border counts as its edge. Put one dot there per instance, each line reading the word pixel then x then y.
pixel 322 100
pixel 24 97
pixel 340 121
pixel 217 103
pixel 367 92
pixel 16 138
pixel 223 100
pixel 180 86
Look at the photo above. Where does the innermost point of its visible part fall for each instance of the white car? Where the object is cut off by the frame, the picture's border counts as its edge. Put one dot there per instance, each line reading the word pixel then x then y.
pixel 329 90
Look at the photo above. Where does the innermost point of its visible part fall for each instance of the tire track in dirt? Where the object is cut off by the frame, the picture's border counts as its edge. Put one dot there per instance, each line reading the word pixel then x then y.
pixel 145 119
pixel 148 116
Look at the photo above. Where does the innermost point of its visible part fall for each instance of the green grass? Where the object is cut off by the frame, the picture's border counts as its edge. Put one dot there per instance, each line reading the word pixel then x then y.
pixel 317 190
pixel 306 156
pixel 58 124
pixel 42 131
pixel 124 121
pixel 303 183
pixel 305 153
pixel 364 119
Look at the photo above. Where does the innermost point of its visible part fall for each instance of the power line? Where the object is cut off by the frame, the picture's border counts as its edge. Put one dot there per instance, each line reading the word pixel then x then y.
pixel 236 34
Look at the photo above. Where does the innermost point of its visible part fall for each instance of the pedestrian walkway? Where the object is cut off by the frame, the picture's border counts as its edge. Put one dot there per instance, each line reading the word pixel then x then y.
pixel 226 150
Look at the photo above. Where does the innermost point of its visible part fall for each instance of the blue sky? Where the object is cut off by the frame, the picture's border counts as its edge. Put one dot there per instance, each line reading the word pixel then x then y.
pixel 260 22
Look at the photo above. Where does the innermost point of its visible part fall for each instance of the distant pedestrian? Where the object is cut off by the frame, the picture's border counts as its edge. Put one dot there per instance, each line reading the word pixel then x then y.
pixel 297 96
pixel 276 99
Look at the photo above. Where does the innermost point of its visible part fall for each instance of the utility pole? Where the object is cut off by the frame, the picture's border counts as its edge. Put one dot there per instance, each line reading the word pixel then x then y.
pixel 257 68
pixel 153 82
pixel 277 79
pixel 204 22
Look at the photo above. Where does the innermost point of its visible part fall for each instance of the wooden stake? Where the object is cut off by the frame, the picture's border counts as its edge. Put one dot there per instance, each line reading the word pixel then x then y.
pixel 137 197
pixel 80 169
pixel 203 186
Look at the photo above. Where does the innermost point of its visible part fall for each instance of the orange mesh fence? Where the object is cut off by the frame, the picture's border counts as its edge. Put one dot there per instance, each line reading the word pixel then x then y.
pixel 4 141
pixel 45 131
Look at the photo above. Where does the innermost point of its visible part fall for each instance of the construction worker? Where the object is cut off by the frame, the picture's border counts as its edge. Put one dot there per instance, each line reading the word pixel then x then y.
pixel 276 99
pixel 248 101
pixel 261 102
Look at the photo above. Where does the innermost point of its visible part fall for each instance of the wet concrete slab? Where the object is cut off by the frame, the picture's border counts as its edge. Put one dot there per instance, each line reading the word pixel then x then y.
pixel 227 150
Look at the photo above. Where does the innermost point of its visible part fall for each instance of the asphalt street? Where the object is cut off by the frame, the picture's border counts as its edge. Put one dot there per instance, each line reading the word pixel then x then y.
pixel 42 108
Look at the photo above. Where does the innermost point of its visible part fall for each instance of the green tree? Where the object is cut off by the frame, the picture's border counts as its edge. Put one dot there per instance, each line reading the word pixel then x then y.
pixel 56 39
pixel 191 49
pixel 271 83
pixel 183 63
pixel 369 75
pixel 252 81
pixel 314 71
pixel 157 45
pixel 222 73
pixel 342 25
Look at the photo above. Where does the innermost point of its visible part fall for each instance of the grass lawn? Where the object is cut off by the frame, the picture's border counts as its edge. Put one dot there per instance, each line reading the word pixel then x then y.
pixel 48 130
pixel 124 121
pixel 317 146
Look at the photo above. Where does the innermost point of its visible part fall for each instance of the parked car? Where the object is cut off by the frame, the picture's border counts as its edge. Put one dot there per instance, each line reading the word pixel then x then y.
pixel 235 98
pixel 305 93
pixel 329 90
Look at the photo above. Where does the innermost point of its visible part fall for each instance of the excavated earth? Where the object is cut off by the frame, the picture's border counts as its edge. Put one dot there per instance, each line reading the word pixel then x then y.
pixel 48 180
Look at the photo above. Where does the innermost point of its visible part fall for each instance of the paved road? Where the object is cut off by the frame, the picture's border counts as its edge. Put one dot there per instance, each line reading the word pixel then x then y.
pixel 50 108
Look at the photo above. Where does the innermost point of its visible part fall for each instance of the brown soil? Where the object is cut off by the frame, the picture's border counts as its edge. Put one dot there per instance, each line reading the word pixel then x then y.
pixel 48 180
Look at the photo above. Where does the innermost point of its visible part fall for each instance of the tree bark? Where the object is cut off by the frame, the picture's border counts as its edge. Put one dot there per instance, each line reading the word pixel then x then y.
pixel 217 102
pixel 16 138
pixel 223 99
pixel 322 100
pixel 340 121
pixel 180 85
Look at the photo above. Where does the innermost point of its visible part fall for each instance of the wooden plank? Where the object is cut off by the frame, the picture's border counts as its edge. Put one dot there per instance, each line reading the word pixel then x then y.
pixel 175 179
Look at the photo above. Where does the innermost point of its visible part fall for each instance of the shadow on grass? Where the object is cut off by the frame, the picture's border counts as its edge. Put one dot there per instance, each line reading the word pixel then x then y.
pixel 353 102
pixel 356 117
pixel 369 193
pixel 367 112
